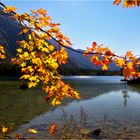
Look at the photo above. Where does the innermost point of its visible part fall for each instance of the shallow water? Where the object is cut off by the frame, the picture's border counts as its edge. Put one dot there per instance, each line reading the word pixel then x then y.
pixel 102 97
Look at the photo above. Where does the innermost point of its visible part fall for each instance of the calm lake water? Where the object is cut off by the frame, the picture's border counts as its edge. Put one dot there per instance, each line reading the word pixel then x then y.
pixel 103 98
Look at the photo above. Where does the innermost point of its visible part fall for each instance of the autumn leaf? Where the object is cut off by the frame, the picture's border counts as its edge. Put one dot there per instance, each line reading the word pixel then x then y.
pixel 24 30
pixel 129 3
pixel 9 9
pixel 2 52
pixel 32 84
pixel 94 59
pixel 33 131
pixel 18 137
pixel 138 2
pixel 94 44
pixel 130 65
pixel 39 60
pixel 117 2
pixel 42 12
pixel 4 129
pixel 53 128
pixel 55 101
pixel 129 54
pixel 120 62
pixel 104 67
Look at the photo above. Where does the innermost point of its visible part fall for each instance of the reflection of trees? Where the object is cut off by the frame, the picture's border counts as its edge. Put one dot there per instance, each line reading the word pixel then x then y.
pixel 89 90
pixel 125 95
pixel 134 88
pixel 131 88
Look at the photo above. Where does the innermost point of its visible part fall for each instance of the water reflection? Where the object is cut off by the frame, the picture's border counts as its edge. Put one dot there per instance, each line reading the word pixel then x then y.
pixel 98 99
pixel 125 95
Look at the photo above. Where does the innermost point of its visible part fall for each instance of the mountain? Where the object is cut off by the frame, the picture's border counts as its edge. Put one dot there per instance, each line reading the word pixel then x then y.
pixel 84 62
pixel 9 34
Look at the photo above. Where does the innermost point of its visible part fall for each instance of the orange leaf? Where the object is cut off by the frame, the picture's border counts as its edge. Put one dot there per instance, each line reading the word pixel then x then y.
pixel 117 2
pixel 129 3
pixel 94 44
pixel 24 30
pixel 42 12
pixel 94 59
pixel 18 136
pixel 120 62
pixel 53 128
pixel 138 2
pixel 129 54
pixel 104 67
pixel 9 9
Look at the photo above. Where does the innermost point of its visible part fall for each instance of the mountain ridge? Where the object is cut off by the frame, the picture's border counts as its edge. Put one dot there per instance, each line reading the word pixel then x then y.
pixel 9 34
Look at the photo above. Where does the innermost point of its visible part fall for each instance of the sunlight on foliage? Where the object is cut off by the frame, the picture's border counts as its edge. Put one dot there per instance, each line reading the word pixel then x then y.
pixel 103 56
pixel 4 129
pixel 33 131
pixel 128 3
pixel 38 59
pixel 2 52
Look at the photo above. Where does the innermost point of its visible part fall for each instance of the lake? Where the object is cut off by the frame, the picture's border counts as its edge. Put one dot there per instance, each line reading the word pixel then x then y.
pixel 104 99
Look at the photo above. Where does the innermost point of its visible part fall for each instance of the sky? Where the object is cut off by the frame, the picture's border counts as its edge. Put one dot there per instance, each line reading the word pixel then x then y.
pixel 85 21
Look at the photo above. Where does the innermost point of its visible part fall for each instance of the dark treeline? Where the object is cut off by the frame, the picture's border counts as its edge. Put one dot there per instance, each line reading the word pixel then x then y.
pixel 64 70
pixel 7 69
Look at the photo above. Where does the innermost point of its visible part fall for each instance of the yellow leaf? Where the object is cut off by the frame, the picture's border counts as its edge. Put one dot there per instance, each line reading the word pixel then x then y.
pixel 33 78
pixel 129 3
pixel 4 129
pixel 33 131
pixel 104 67
pixel 9 9
pixel 24 77
pixel 55 102
pixel 130 65
pixel 120 62
pixel 25 54
pixel 32 84
pixel 19 50
pixel 23 64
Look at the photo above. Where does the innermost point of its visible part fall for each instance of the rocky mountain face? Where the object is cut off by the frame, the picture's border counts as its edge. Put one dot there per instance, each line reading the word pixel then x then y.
pixel 84 62
pixel 9 34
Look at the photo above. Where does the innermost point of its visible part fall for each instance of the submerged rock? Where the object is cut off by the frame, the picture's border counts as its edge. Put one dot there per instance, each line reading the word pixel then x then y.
pixel 91 134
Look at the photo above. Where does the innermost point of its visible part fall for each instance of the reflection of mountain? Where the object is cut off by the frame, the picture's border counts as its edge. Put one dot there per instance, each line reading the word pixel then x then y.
pixel 9 34
pixel 90 90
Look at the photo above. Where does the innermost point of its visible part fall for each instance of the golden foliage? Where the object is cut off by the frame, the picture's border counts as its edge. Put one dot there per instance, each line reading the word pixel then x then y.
pixel 128 3
pixel 2 52
pixel 103 56
pixel 33 131
pixel 4 129
pixel 10 9
pixel 38 59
